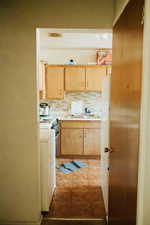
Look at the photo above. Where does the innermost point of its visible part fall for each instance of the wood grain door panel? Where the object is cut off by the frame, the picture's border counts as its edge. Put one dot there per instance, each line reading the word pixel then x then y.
pixel 125 114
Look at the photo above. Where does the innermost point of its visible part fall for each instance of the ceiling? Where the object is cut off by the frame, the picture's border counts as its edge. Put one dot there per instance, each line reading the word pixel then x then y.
pixel 76 38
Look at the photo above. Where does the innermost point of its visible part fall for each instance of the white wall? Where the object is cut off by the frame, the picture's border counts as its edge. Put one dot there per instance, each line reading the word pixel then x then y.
pixel 143 213
pixel 119 6
pixel 62 56
pixel 19 150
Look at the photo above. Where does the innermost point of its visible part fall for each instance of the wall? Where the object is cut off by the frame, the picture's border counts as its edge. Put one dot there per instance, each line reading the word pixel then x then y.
pixel 91 100
pixel 143 213
pixel 119 7
pixel 62 56
pixel 19 155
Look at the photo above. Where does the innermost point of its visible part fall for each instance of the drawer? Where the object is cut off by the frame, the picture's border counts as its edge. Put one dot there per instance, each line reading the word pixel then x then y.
pixel 72 124
pixel 80 124
pixel 92 124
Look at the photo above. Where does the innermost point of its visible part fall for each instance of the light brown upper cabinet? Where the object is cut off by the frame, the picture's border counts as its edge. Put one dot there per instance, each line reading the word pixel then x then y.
pixel 109 70
pixel 94 77
pixel 54 82
pixel 75 78
pixel 84 78
pixel 60 78
pixel 42 80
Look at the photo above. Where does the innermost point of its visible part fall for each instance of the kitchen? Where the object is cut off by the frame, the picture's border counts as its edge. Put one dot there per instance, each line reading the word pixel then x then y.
pixel 74 74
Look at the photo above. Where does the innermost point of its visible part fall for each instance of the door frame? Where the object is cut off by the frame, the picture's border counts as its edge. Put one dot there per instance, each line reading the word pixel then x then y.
pixel 143 216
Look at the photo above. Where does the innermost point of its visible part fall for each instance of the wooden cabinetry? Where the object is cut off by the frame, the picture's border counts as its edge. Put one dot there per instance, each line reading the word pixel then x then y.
pixel 84 78
pixel 74 78
pixel 42 80
pixel 80 138
pixel 92 141
pixel 109 70
pixel 71 141
pixel 60 78
pixel 54 82
pixel 94 77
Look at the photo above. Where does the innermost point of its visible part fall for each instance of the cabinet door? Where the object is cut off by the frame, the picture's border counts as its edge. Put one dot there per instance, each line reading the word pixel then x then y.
pixel 94 77
pixel 74 78
pixel 109 70
pixel 71 141
pixel 91 141
pixel 42 80
pixel 54 81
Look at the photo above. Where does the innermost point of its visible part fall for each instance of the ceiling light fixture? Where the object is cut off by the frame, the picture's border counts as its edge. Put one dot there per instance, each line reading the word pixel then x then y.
pixel 55 35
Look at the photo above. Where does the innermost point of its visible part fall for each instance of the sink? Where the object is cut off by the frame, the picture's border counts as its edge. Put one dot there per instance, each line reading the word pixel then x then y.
pixel 88 116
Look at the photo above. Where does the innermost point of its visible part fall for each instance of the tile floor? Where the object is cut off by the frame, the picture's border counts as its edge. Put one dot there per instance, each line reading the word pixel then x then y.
pixel 78 194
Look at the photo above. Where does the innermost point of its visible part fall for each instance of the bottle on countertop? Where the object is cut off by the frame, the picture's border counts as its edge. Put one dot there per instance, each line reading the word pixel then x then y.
pixel 44 109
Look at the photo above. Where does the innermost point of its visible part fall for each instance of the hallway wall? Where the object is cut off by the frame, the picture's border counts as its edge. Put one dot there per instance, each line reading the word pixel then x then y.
pixel 19 155
pixel 143 213
pixel 119 7
pixel 62 56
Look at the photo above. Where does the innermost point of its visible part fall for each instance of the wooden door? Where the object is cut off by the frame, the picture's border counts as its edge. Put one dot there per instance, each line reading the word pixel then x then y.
pixel 94 77
pixel 54 81
pixel 71 141
pixel 91 141
pixel 75 78
pixel 125 114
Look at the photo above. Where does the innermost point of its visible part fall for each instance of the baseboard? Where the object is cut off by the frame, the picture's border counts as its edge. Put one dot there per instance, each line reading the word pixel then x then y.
pixel 74 221
pixel 22 222
pixel 97 157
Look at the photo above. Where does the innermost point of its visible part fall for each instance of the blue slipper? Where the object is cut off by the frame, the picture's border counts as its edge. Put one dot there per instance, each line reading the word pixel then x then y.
pixel 79 164
pixel 70 166
pixel 64 170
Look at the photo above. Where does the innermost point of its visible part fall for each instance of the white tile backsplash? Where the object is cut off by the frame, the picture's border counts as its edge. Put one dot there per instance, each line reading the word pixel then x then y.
pixel 91 100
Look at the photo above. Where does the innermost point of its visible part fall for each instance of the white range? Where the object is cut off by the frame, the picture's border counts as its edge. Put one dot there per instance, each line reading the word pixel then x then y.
pixel 47 164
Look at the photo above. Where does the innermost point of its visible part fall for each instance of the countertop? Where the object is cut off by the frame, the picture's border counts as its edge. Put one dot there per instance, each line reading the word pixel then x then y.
pixel 79 118
pixel 46 122
pixel 53 117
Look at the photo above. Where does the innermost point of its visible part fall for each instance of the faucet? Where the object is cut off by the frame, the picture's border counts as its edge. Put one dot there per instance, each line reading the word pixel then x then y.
pixel 87 111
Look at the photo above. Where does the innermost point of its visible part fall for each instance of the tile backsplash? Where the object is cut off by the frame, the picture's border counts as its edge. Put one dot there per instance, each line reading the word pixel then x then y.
pixel 91 100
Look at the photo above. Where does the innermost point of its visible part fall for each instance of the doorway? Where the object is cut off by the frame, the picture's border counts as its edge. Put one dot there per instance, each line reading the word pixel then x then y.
pixel 78 190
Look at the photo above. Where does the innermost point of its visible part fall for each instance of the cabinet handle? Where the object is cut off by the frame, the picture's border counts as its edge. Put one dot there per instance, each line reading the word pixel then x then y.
pixel 87 84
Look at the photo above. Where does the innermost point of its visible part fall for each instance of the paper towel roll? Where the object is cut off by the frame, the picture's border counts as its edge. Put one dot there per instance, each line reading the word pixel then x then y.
pixel 77 107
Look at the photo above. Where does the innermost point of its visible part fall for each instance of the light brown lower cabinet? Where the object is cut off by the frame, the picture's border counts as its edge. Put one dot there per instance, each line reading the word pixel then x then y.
pixel 80 141
pixel 91 141
pixel 71 141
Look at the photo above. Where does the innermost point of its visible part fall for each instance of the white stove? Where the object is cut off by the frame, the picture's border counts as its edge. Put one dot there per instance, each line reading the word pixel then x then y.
pixel 47 163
